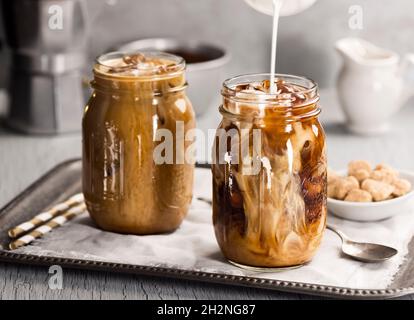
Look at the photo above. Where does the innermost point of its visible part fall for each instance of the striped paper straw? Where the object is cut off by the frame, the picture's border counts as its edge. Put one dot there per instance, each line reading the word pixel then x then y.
pixel 46 228
pixel 46 216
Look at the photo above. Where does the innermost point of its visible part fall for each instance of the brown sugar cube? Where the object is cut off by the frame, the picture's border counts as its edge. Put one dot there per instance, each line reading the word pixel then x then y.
pixel 384 175
pixel 384 166
pixel 402 187
pixel 358 195
pixel 332 176
pixel 354 166
pixel 343 186
pixel 380 191
pixel 361 175
pixel 332 189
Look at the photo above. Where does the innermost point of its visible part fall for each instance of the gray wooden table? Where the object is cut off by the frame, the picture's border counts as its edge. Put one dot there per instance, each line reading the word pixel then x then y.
pixel 24 159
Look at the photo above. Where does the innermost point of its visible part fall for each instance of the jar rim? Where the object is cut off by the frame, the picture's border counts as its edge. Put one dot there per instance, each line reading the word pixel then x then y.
pixel 310 89
pixel 137 69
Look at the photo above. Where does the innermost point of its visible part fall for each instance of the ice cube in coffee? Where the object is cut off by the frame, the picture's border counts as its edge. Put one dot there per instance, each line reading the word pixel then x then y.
pixel 269 172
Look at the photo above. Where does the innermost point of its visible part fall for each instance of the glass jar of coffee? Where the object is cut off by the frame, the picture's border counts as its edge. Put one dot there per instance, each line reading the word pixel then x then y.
pixel 269 172
pixel 136 176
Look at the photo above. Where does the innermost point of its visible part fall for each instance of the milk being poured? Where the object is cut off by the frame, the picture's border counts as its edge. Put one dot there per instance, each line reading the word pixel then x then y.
pixel 278 8
pixel 277 5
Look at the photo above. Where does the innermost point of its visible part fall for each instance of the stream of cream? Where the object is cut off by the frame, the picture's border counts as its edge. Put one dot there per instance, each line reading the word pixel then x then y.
pixel 277 5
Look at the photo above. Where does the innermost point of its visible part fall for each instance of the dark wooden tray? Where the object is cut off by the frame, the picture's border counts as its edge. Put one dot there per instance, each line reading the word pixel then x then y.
pixel 64 181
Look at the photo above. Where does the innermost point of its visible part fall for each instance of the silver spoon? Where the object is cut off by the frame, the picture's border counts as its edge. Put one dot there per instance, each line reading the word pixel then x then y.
pixel 365 252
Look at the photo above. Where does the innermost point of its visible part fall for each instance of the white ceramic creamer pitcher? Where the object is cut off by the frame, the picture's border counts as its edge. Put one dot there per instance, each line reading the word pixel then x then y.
pixel 372 85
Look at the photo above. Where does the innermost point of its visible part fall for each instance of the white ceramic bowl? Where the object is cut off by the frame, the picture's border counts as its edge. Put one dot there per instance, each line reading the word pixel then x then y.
pixel 375 211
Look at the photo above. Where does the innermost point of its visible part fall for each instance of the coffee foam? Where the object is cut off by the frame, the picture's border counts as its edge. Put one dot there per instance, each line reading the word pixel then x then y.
pixel 287 94
pixel 139 64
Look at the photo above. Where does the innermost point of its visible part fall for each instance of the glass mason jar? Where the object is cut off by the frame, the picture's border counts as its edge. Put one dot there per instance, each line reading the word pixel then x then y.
pixel 269 172
pixel 131 180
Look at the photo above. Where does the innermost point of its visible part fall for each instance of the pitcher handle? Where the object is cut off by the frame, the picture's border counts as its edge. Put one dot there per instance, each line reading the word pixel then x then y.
pixel 406 73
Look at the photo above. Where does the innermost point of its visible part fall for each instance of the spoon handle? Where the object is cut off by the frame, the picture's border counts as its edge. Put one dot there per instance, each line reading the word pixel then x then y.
pixel 342 235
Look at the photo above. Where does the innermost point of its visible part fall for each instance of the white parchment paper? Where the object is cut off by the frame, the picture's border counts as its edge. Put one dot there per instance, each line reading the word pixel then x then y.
pixel 193 247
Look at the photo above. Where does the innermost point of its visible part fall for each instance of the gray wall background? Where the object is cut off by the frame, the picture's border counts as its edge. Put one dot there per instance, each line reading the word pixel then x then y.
pixel 306 40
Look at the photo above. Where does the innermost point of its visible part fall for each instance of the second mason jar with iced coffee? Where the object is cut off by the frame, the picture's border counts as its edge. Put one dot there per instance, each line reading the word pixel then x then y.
pixel 269 172
pixel 136 178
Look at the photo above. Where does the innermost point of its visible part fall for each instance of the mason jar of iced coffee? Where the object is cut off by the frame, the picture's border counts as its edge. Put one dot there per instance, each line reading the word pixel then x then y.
pixel 137 178
pixel 269 172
